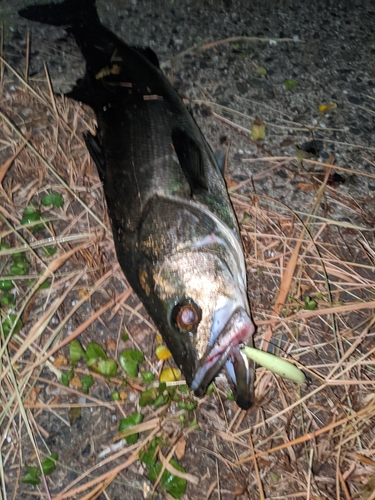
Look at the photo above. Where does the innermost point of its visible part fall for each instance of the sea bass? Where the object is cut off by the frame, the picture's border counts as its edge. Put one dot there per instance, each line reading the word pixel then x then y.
pixel 175 232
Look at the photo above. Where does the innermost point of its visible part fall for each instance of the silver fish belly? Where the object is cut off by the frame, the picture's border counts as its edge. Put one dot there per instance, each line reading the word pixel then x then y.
pixel 175 232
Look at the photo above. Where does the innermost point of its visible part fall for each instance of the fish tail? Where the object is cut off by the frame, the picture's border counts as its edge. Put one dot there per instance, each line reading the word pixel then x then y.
pixel 80 18
pixel 69 13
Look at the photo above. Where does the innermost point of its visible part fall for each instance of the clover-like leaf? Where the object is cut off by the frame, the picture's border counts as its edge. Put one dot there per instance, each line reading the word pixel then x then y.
pixel 87 381
pixel 134 419
pixel 49 464
pixel 173 485
pixel 148 397
pixel 76 351
pixel 32 476
pixel 147 376
pixel 11 325
pixel 54 199
pixel 107 367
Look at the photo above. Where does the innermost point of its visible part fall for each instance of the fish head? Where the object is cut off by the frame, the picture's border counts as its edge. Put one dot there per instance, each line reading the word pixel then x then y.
pixel 207 319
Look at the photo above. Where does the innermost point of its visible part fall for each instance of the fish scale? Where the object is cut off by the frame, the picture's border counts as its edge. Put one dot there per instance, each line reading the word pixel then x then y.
pixel 175 231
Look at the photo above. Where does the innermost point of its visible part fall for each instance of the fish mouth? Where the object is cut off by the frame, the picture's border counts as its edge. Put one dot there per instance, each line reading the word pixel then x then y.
pixel 238 331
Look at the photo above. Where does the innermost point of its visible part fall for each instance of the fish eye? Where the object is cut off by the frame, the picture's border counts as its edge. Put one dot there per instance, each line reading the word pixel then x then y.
pixel 186 315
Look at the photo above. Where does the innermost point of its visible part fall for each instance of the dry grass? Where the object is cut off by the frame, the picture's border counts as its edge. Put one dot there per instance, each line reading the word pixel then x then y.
pixel 309 442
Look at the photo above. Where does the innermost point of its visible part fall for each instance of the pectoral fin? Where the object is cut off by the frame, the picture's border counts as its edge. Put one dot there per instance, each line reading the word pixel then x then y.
pixel 191 160
pixel 96 153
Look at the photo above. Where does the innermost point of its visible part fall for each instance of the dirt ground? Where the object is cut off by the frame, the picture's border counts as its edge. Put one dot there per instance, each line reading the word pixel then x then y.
pixel 307 228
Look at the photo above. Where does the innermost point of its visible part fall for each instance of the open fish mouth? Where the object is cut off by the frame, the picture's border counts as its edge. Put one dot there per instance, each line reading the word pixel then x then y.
pixel 238 331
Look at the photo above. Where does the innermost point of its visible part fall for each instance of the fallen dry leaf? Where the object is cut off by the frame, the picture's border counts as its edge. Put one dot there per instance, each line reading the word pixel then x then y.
pixel 60 361
pixel 76 382
pixel 33 396
pixel 111 345
pixel 180 448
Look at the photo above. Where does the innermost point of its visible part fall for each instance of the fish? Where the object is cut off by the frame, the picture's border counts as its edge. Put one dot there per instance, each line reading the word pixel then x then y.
pixel 176 235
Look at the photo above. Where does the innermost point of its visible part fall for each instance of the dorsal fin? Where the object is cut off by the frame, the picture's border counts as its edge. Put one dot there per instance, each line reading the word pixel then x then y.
pixel 149 54
pixel 191 160
pixel 220 157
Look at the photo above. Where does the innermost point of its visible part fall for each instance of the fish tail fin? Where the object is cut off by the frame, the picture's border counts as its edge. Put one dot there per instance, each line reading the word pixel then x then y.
pixel 68 13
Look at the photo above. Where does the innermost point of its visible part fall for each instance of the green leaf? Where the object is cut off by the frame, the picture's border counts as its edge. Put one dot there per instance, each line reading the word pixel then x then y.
pixel 210 389
pixel 18 270
pixel 7 299
pixel 54 199
pixel 290 84
pixel 93 353
pixel 134 419
pixel 49 251
pixel 130 367
pixel 65 379
pixel 161 400
pixel 173 485
pixel 45 285
pixel 175 396
pixel 32 476
pixel 191 405
pixel 310 304
pixel 30 210
pixel 115 396
pixel 4 246
pixel 148 456
pixel 87 381
pixel 10 325
pixel 6 285
pixel 76 351
pixel 148 397
pixel 20 264
pixel 172 392
pixel 129 360
pixel 147 377
pixel 125 336
pixel 132 354
pixel 30 215
pixel 184 389
pixel 261 71
pixel 19 257
pixel 49 464
pixel 230 396
pixel 23 264
pixel 107 367
pixel 194 423
pixel 162 387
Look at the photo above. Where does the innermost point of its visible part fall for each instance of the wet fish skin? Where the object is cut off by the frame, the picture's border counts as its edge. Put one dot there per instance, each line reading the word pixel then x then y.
pixel 175 232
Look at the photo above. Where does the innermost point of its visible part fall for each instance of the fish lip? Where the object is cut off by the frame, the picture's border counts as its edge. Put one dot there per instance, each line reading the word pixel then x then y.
pixel 238 331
